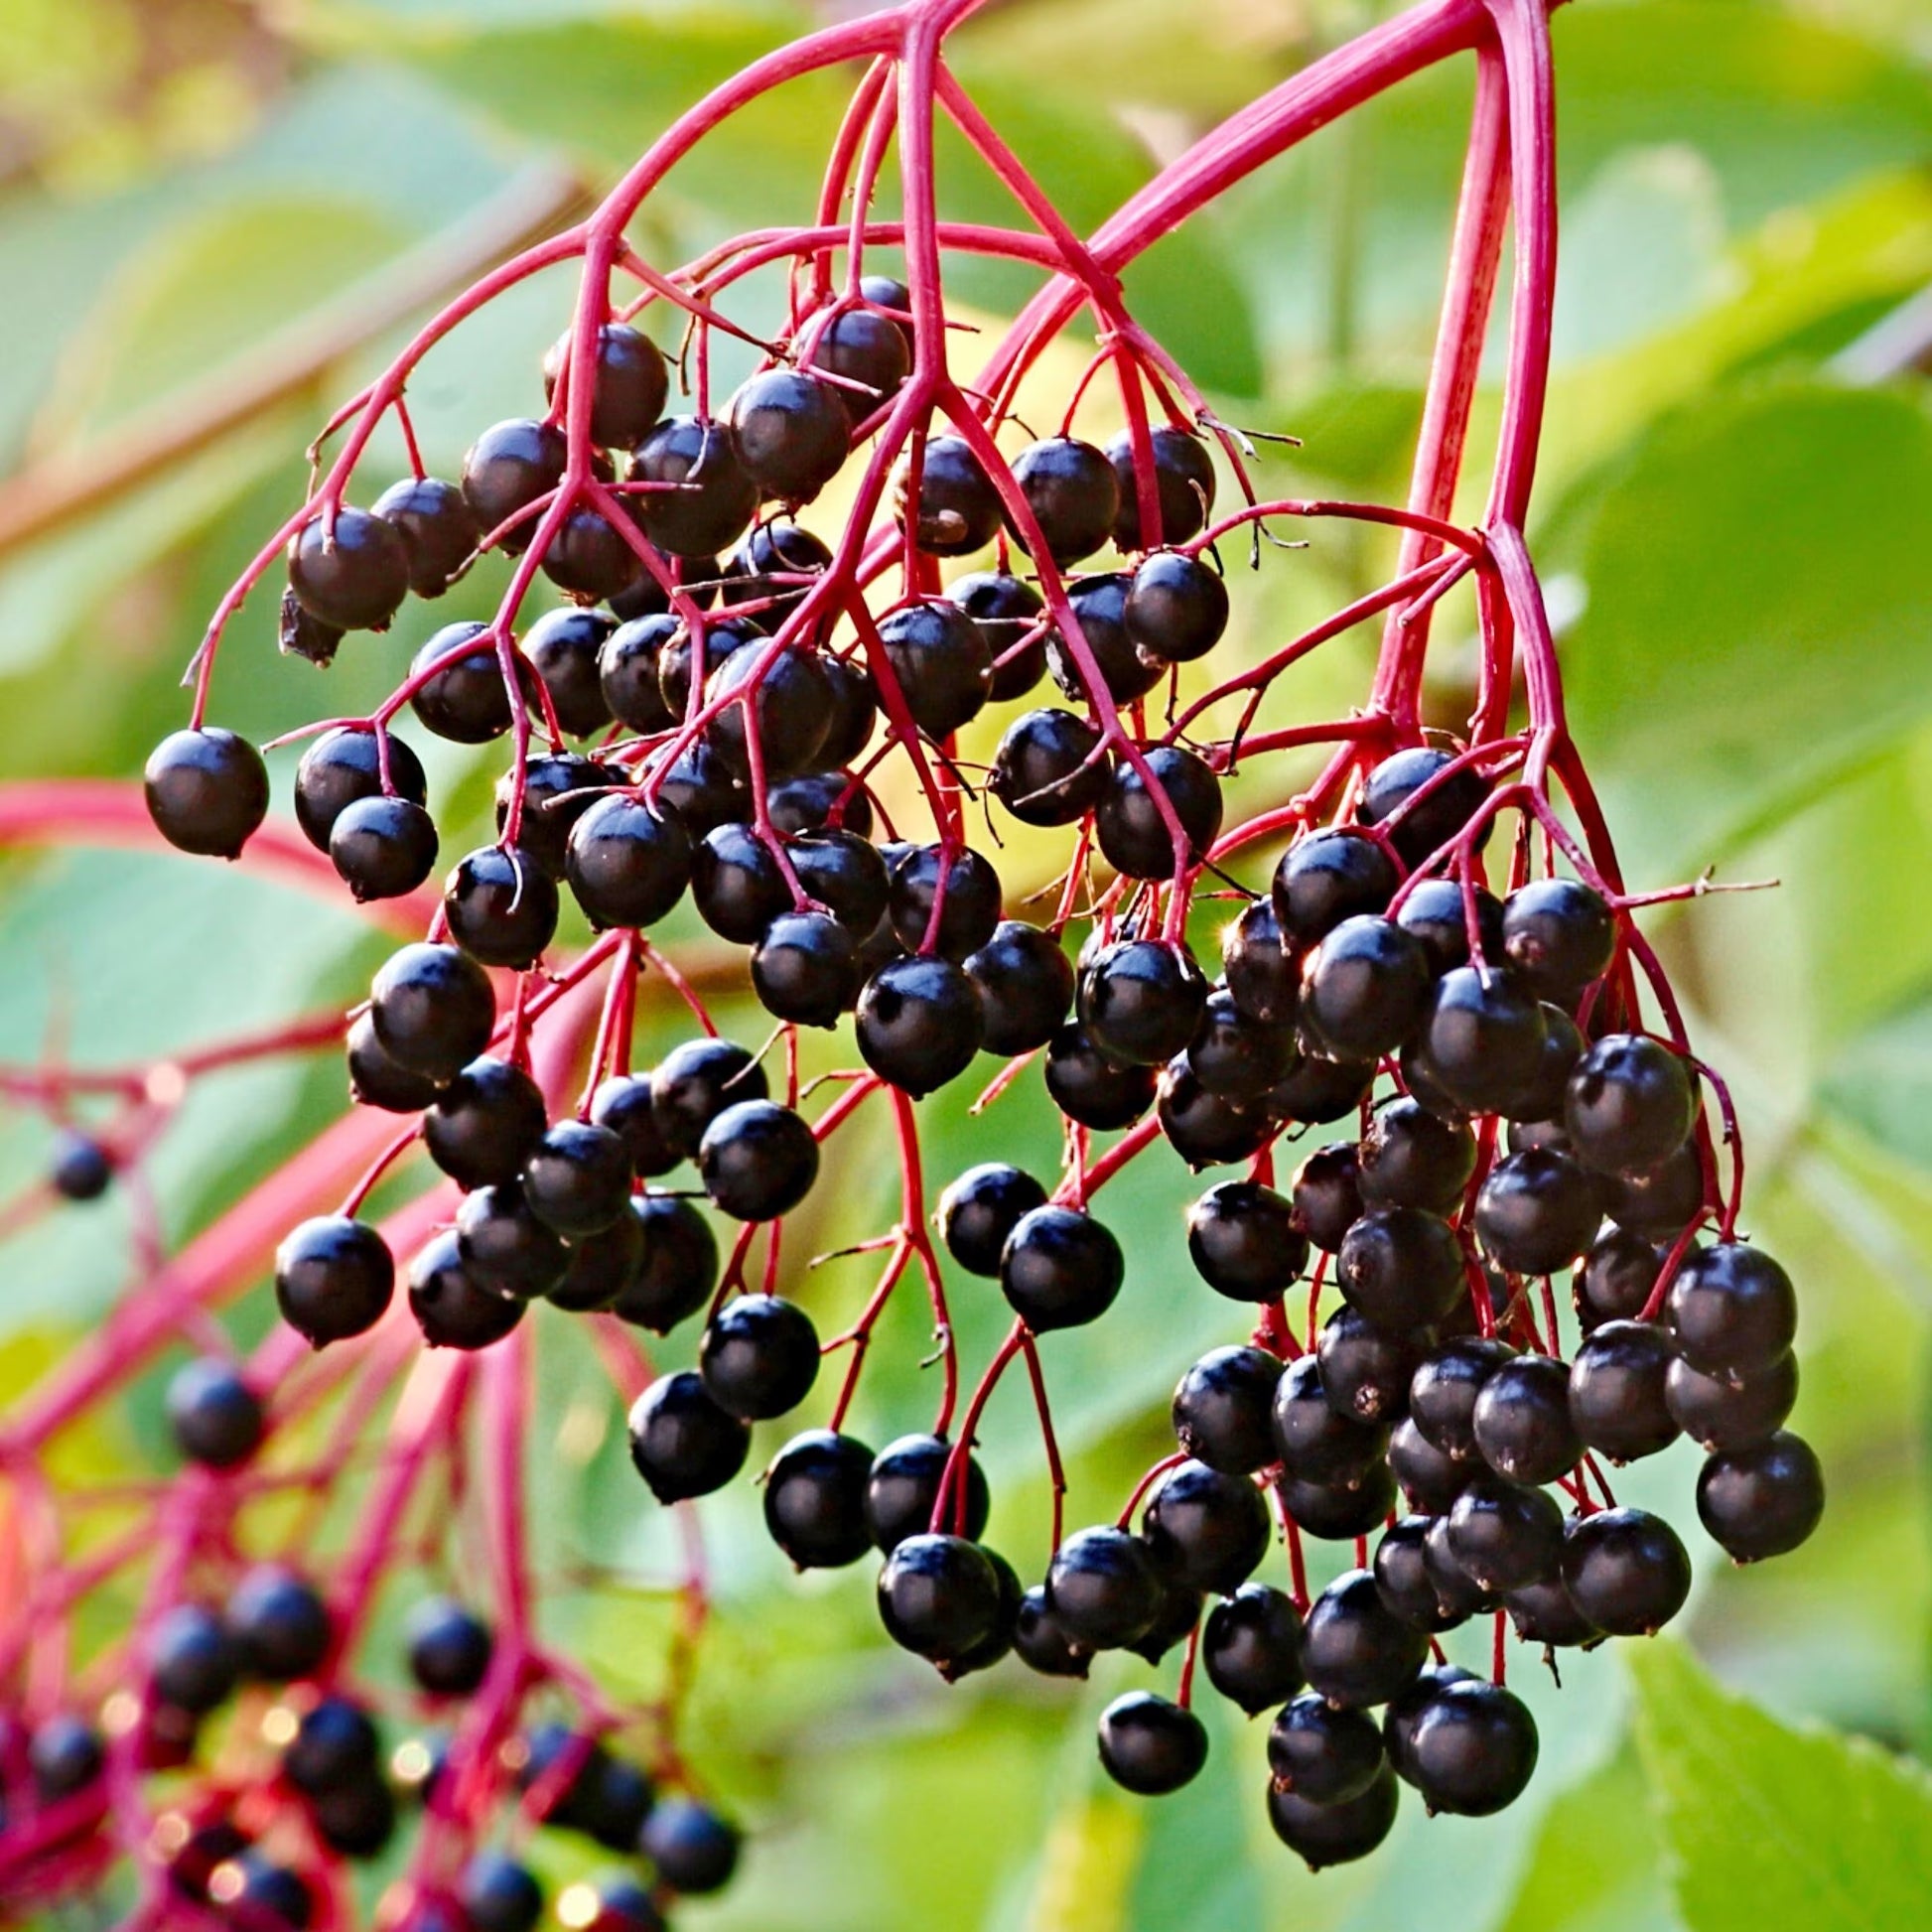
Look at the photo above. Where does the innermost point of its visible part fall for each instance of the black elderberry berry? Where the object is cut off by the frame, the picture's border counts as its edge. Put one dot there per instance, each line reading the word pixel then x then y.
pixel 344 766
pixel 1354 1651
pixel 1326 878
pixel 1314 1091
pixel 693 1084
pixel 1366 1370
pixel 695 577
pixel 1091 1088
pixel 333 1278
pixel 504 1247
pixel 1183 481
pixel 1129 828
pixel 1626 1570
pixel 215 1418
pixel 507 468
pixel 941 659
pixel 1243 1242
pixel 843 873
pixel 692 1849
pixel 1557 936
pixel 1208 1527
pixel 1733 1310
pixel 1660 1202
pixel 1024 983
pixel 1723 1414
pixel 758 1160
pixel 1234 1056
pixel 698 785
pixel 602 1266
pixel 1410 1158
pixel 940 1596
pixel 805 968
pixel 194 1662
pixel 1481 1041
pixel 761 569
pixel 1544 1613
pixel 565 649
pixel 1403 1575
pixel 279 1623
pixel 1251 1647
pixel 81 1169
pixel 462 696
pixel 1327 1835
pixel 958 509
pixel 867 349
pixel 1176 607
pixel 791 706
pixel 1070 490
pixel 557 792
pixel 1615 1280
pixel 681 1443
pixel 264 1893
pixel 1430 1480
pixel 819 801
pixel 1007 612
pixel 1400 1268
pixel 1474 1748
pixel 1041 1644
pixel 1761 1500
pixel 453 1304
pixel 980 1210
pixel 336 1745
pixel 577 1178
pixel 65 1755
pixel 1542 1100
pixel 1398 1720
pixel 1060 1269
pixel 971 909
pixel 1536 1211
pixel 1630 1104
pixel 1175 1621
pixel 1207 1129
pixel 1324 1753
pixel 1141 1000
pixel 1436 912
pixel 496 1893
pixel 1522 1429
pixel 1326 1197
pixel 352 575
pixel 998 1640
pixel 1046 771
pixel 449 1647
pixel 679 1267
pixel 1504 1536
pixel 1363 989
pixel 790 433
pixel 206 792
pixel 1150 1746
pixel 1319 1442
pixel 436 526
pixel 1340 1512
pixel 629 383
pixel 1099 606
pixel 590 556
pixel 1223 1409
pixel 484 1123
pixel 1103 1588
pixel 686 656
pixel 855 711
pixel 1617 1391
pixel 1263 975
pixel 815 1499
pixel 703 498
pixel 1443 1393
pixel 902 1492
pixel 623 1105
pixel 627 864
pixel 500 906
pixel 1426 826
pixel 759 1358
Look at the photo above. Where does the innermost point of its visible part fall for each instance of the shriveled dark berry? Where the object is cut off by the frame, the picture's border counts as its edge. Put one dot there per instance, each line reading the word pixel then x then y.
pixel 1616 1390
pixel 206 792
pixel 1150 1746
pixel 1630 1104
pixel 758 1160
pixel 500 905
pixel 705 497
pixel 1128 825
pixel 981 1208
pixel 1761 1500
pixel 334 1278
pixel 1626 1570
pixel 681 1443
pixel 815 1499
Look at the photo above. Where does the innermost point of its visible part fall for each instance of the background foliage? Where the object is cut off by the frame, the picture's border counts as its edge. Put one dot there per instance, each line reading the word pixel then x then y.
pixel 194 194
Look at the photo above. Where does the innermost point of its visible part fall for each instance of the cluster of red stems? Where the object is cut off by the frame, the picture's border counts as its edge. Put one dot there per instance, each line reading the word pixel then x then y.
pixel 1517 1065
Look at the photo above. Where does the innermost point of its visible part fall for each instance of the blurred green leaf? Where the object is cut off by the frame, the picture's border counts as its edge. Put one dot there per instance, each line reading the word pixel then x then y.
pixel 1745 554
pixel 1766 1824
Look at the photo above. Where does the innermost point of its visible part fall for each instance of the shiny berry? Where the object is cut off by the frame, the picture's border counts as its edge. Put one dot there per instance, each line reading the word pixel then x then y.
pixel 1421 825
pixel 1103 1587
pixel 1183 480
pixel 705 497
pixel 1522 1422
pixel 1128 825
pixel 504 1247
pixel 940 1596
pixel 1733 1310
pixel 679 1268
pixel 759 1358
pixel 815 1499
pixel 436 526
pixel 453 1304
pixel 682 1442
pixel 1073 495
pixel 1473 1750
pixel 627 864
pixel 806 969
pixel 1060 1269
pixel 1326 878
pixel 1400 1266
pixel 500 906
pixel 215 1418
pixel 941 659
pixel 206 792
pixel 1090 1087
pixel 1046 771
pixel 353 574
pixel 1536 1211
pixel 1141 1000
pixel 1504 1536
pixel 1024 983
pixel 958 509
pixel 344 766
pixel 1761 1500
pixel 758 1160
pixel 630 383
pixel 1626 1570
pixel 1617 1391
pixel 1630 1104
pixel 1008 613
pixel 449 1647
pixel 1354 1651
pixel 1150 1746
pixel 1557 936
pixel 577 1178
pixel 1722 1415
pixel 692 1849
pixel 334 1278
pixel 1411 1159
pixel 507 468
pixel 979 1212
pixel 1223 1409
pixel 462 696
pixel 1099 606
pixel 790 432
pixel 902 1492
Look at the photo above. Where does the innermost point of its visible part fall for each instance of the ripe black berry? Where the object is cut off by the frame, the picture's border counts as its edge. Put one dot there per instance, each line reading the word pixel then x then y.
pixel 557 791
pixel 1177 607
pixel 1041 1644
pixel 1243 1242
pixel 433 1010
pixel 1363 987
pixel 354 575
pixel 1618 1390
pixel 206 792
pixel 959 508
pixel 437 531
pixel 1522 1429
pixel 760 569
pixel 1630 1104
pixel 1060 1269
pixel 1761 1500
pixel 1324 1753
pixel 815 1499
pixel 627 672
pixel 507 468
pixel 1504 1536
pixel 805 968
pixel 867 349
pixel 1234 1056
pixel 1410 1158
pixel 484 1123
pixel 1150 1746
pixel 1660 1202
pixel 1091 1088
pixel 1208 1527
pixel 1544 1613
pixel 736 884
pixel 627 864
pixel 1183 486
pixel 564 647
pixel 1443 1393
pixel 1103 1587
pixel 1719 1414
pixel 1615 1279
pixel 1007 612
pixel 577 1178
pixel 679 1268
pixel 194 1663
pixel 1319 1442
pixel 453 1305
pixel 333 1278
pixel 500 905
pixel 1733 1310
pixel 971 910
pixel 343 766
pixel 1141 1000
pixel 939 1597
pixel 688 654
pixel 759 1358
pixel 1024 982
pixel 1557 936
pixel 505 1246
pixel 1626 1570
pixel 1436 912
pixel 1400 1268
pixel 336 1745
pixel 629 383
pixel 1430 1480
pixel 1404 1576
pixel 707 498
pixel 622 1103
pixel 1326 878
pixel 214 1416
pixel 1422 828
pixel 1353 1650
pixel 1207 1129
pixel 1473 1749
pixel 1129 828
pixel 1536 1211
pixel 845 874
pixel 1326 1197
pixel 1314 1091
pixel 498 1894
pixel 601 1267
pixel 693 1084
pixel 1099 606
pixel 1251 1647
pixel 981 1208
pixel 1481 1041
pixel 463 696
pixel 1263 975
pixel 758 1160
pixel 790 432
pixel 1046 771
pixel 449 1647
pixel 904 1487
pixel 941 659
pixel 692 1849
pixel 1366 1370
pixel 1069 488
pixel 790 707
pixel 1337 1511
pixel 1223 1409
pixel 65 1757
pixel 682 1444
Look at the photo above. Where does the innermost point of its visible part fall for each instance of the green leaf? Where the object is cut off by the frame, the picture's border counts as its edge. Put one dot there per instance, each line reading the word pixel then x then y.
pixel 1768 1824
pixel 1747 552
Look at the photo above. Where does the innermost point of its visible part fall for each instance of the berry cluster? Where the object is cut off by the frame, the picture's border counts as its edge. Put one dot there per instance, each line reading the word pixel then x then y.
pixel 777 724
